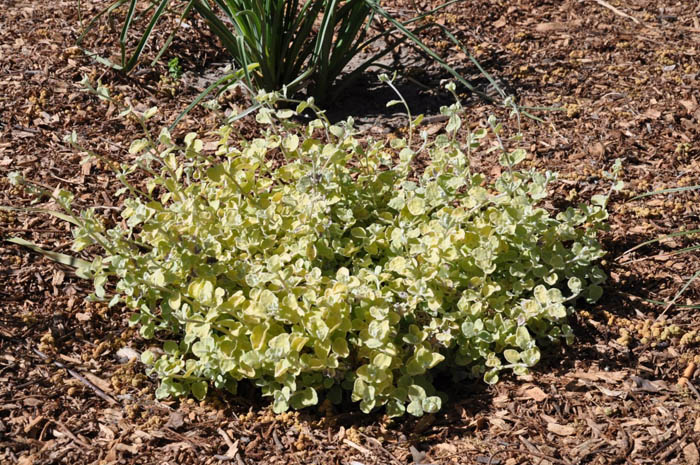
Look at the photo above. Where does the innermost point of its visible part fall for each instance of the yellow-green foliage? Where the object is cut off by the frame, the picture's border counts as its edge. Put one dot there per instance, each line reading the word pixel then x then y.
pixel 341 270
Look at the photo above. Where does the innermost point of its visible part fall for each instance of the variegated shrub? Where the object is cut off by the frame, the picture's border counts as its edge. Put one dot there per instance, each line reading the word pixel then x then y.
pixel 341 269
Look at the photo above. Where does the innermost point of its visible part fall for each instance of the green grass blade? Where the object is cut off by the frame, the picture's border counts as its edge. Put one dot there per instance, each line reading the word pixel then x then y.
pixel 170 38
pixel 146 35
pixel 667 191
pixel 419 44
pixel 95 56
pixel 125 31
pixel 59 215
pixel 685 250
pixel 684 288
pixel 97 17
pixel 218 28
pixel 55 256
pixel 228 79
pixel 660 239
pixel 658 302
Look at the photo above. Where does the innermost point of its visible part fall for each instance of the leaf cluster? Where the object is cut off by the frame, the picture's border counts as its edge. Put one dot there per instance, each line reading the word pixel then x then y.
pixel 343 269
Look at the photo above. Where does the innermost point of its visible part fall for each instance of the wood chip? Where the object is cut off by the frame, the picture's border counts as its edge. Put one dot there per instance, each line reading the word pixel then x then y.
pixel 691 454
pixel 550 27
pixel 561 430
pixel 534 393
pixel 99 382
pixel 500 22
pixel 597 150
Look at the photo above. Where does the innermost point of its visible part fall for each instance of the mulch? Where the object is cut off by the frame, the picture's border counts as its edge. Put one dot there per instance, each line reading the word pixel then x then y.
pixel 625 77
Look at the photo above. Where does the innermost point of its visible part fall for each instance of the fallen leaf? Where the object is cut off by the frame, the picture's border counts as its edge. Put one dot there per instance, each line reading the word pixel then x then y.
pixel 211 146
pixel 499 423
pixel 175 447
pixel 424 423
pixel 561 430
pixel 132 449
pixel 487 460
pixel 609 376
pixel 26 460
pixel 417 455
pixel 635 422
pixel 107 431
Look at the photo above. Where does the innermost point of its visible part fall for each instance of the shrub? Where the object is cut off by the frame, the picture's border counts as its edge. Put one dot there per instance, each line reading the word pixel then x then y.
pixel 344 268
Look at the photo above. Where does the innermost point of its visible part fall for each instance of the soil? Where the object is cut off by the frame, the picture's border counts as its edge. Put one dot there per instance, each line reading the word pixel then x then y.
pixel 625 79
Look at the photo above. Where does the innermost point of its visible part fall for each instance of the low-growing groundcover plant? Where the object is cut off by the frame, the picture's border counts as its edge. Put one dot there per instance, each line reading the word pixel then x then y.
pixel 343 269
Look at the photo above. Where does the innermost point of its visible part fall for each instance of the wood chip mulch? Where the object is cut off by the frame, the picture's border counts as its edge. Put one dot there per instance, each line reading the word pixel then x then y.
pixel 625 74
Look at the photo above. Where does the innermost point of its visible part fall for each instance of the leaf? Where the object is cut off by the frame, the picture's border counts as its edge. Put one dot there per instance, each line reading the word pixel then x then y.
pixel 512 356
pixel 290 143
pixel 522 338
pixel 415 408
pixel 431 404
pixel 305 398
pixel 199 389
pixel 382 361
pixel 575 285
pixel 148 358
pixel 395 408
pixel 280 403
pixel 416 392
pixel 202 290
pixel 340 347
pixel 397 264
pixel 534 393
pixel 170 347
pixel 216 172
pixel 55 256
pixel 530 357
pixel 594 292
pixel 138 145
pixel 416 206
pixel 491 376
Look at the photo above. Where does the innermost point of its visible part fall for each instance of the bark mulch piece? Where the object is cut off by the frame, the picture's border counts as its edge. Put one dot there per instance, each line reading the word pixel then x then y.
pixel 625 76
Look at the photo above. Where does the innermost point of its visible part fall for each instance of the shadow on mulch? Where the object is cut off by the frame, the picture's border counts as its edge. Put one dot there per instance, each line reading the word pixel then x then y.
pixel 422 86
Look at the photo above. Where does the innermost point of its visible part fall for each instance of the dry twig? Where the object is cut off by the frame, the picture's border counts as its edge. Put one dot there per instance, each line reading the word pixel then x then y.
pixel 605 4
pixel 100 393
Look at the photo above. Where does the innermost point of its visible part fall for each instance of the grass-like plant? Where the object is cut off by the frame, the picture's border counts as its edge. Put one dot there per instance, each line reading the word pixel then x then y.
pixel 685 250
pixel 290 44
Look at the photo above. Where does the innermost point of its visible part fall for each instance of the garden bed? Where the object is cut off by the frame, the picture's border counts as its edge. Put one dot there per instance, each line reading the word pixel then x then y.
pixel 628 88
